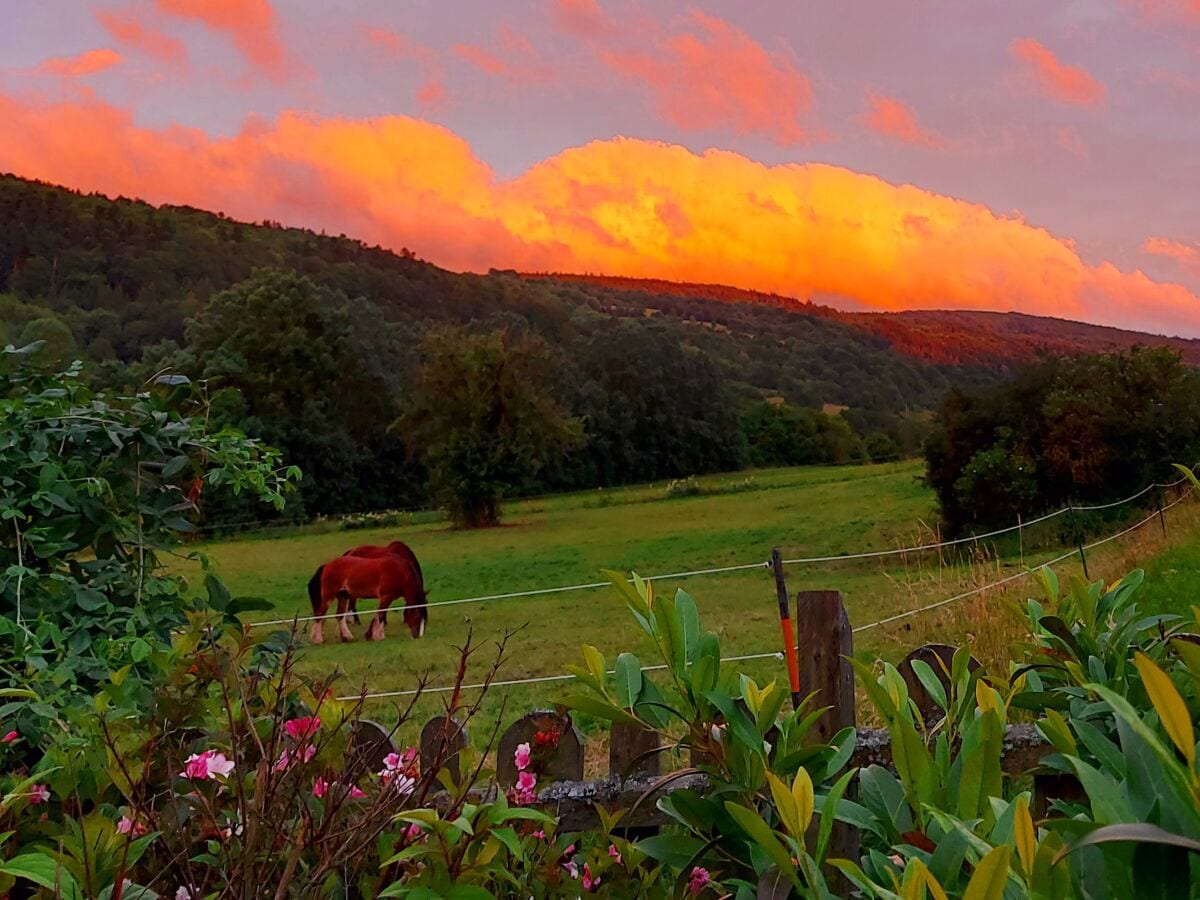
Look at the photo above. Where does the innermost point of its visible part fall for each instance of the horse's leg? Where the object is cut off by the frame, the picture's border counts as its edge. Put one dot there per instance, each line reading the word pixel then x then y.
pixel 378 624
pixel 343 628
pixel 316 634
pixel 354 610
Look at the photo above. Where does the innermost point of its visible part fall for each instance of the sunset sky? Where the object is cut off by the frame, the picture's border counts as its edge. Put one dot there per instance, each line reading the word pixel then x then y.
pixel 1027 155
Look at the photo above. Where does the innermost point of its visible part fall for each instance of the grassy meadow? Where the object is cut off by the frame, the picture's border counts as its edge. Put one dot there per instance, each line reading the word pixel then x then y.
pixel 568 539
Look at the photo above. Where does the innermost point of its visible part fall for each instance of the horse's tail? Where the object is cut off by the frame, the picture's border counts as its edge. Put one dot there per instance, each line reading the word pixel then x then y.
pixel 314 589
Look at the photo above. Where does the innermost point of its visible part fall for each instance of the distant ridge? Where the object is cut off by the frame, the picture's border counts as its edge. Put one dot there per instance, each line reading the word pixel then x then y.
pixel 947 337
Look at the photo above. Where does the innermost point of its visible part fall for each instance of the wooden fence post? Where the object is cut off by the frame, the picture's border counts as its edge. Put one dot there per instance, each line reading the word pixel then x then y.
pixel 629 752
pixel 369 743
pixel 441 740
pixel 825 643
pixel 566 760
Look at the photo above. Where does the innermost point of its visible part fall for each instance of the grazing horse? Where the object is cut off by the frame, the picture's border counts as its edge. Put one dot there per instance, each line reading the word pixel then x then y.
pixel 348 578
pixel 368 551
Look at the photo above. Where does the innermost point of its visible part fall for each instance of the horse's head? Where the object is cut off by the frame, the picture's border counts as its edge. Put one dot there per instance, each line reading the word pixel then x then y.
pixel 416 614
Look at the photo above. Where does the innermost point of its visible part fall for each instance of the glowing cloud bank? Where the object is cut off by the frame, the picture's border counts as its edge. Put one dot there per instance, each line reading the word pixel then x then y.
pixel 620 206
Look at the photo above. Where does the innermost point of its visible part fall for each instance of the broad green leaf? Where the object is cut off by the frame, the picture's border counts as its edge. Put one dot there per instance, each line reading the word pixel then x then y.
pixel 674 850
pixel 761 834
pixel 1135 832
pixel 42 870
pixel 628 680
pixel 1172 711
pixel 932 684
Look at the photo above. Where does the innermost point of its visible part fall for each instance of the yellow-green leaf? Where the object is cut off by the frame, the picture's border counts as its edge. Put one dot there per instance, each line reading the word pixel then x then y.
pixel 988 880
pixel 987 698
pixel 785 803
pixel 595 661
pixel 917 880
pixel 1024 835
pixel 802 791
pixel 1171 709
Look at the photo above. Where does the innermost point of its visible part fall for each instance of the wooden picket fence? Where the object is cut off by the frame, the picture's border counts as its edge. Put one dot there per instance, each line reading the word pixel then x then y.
pixel 825 640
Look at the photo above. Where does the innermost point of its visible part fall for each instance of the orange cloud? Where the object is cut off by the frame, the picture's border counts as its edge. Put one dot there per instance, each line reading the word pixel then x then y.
pixel 619 206
pixel 891 117
pixel 126 29
pixel 1068 84
pixel 515 59
pixel 88 63
pixel 720 78
pixel 250 24
pixel 1187 255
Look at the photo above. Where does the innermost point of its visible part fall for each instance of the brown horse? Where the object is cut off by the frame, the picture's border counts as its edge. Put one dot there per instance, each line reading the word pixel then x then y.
pixel 349 578
pixel 368 551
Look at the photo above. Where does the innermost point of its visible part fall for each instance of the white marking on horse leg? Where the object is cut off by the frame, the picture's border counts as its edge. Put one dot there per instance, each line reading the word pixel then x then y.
pixel 316 634
pixel 421 629
pixel 375 631
pixel 344 629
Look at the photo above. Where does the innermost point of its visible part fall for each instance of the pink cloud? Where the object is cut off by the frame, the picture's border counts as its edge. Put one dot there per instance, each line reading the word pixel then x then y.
pixel 250 24
pixel 431 93
pixel 582 18
pixel 126 28
pixel 893 118
pixel 1057 80
pixel 513 58
pixel 717 76
pixel 1186 11
pixel 87 63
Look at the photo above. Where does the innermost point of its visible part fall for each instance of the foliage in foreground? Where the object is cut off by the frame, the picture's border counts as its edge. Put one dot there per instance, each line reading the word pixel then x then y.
pixel 93 490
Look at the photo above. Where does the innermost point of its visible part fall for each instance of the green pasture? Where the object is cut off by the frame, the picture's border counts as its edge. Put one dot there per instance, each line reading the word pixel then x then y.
pixel 569 539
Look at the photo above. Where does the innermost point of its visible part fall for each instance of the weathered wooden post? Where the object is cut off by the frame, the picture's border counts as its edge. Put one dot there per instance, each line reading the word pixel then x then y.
pixel 633 752
pixel 566 758
pixel 441 740
pixel 825 643
pixel 369 743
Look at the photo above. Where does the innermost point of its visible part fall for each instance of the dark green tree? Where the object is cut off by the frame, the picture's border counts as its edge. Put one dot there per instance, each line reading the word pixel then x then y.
pixel 318 375
pixel 483 418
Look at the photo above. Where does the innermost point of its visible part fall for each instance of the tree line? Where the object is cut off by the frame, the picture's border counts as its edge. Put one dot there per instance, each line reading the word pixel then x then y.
pixel 319 345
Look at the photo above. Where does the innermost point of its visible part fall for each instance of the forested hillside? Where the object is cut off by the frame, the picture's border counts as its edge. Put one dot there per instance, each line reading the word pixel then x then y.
pixel 313 342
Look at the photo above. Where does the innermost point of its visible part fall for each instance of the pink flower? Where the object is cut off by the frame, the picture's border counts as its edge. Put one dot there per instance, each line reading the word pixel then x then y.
pixel 525 791
pixel 614 853
pixel 209 764
pixel 302 728
pixel 131 827
pixel 572 869
pixel 39 794
pixel 183 894
pixel 356 792
pixel 320 786
pixel 521 756
pixel 540 835
pixel 588 881
pixel 10 737
pixel 569 850
pixel 698 880
pixel 413 832
pixel 286 758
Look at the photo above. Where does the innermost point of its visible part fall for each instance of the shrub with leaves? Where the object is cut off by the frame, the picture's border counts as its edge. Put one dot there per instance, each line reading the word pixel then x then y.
pixel 93 488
